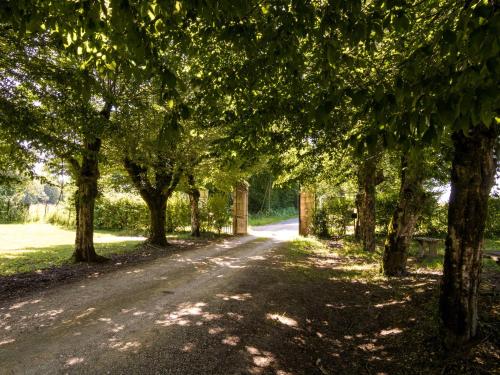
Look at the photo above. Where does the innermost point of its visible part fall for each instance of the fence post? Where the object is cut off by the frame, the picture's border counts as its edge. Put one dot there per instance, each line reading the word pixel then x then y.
pixel 306 212
pixel 240 208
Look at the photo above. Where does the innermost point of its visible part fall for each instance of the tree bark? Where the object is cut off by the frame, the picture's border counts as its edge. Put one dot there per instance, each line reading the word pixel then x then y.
pixel 156 196
pixel 367 180
pixel 401 227
pixel 157 205
pixel 88 174
pixel 357 227
pixel 472 175
pixel 194 200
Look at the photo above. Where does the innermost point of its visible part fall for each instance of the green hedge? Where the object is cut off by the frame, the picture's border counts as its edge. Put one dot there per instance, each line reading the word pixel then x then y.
pixel 121 212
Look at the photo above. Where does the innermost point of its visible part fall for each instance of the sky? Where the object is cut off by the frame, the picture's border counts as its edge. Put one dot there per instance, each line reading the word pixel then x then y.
pixel 445 194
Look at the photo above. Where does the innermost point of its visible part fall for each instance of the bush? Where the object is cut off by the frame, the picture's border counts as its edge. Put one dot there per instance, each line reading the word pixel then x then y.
pixel 120 211
pixel 493 221
pixel 320 224
pixel 434 219
pixel 333 216
pixel 385 205
pixel 178 212
pixel 12 207
pixel 63 216
pixel 219 211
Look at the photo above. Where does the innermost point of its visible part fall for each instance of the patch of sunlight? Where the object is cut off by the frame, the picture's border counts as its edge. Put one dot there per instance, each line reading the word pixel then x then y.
pixel 257 257
pixel 41 235
pixel 235 316
pixel 74 361
pixel 235 297
pixel 21 304
pixel 263 361
pixel 392 331
pixel 361 267
pixel 135 271
pixel 300 340
pixel 390 303
pixel 260 358
pixel 303 245
pixel 252 350
pixel 124 346
pixel 215 330
pixel 17 255
pixel 87 312
pixel 50 313
pixel 186 310
pixel 370 347
pixel 224 262
pixel 39 257
pixel 283 320
pixel 188 347
pixel 231 340
pixel 6 341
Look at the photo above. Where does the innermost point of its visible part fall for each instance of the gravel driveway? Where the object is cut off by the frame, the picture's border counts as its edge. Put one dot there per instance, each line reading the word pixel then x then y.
pixel 174 315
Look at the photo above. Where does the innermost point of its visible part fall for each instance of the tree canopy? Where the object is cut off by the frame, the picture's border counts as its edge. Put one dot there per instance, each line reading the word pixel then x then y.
pixel 206 93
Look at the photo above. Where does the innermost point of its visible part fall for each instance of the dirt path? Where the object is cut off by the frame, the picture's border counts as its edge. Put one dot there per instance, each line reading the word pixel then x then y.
pixel 95 325
pixel 248 305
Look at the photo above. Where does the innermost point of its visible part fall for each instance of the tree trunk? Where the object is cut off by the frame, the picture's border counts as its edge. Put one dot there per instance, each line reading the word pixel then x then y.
pixel 402 224
pixel 367 178
pixel 158 216
pixel 357 227
pixel 194 200
pixel 156 198
pixel 86 194
pixel 473 172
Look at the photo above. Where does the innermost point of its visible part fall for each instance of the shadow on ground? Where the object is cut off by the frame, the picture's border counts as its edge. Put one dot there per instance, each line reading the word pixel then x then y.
pixel 285 311
pixel 290 313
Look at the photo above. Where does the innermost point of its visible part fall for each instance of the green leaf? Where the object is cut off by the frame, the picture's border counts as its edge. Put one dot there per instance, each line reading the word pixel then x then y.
pixel 169 78
pixel 358 97
pixel 332 54
pixel 486 116
pixel 449 36
pixel 401 23
pixel 379 93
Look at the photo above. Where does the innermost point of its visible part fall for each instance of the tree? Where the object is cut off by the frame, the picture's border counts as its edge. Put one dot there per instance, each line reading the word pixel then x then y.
pixel 152 155
pixel 65 111
pixel 368 179
pixel 473 172
pixel 446 84
pixel 411 200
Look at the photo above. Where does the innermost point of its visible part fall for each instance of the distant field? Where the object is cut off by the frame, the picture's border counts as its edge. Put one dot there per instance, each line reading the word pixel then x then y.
pixel 274 216
pixel 30 247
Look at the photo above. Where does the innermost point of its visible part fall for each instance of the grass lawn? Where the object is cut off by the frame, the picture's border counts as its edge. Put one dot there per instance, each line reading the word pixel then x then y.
pixel 436 263
pixel 32 247
pixel 271 217
pixel 492 244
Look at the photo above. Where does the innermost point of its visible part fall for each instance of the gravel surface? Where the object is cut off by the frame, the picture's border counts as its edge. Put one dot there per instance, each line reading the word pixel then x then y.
pixel 147 319
pixel 247 305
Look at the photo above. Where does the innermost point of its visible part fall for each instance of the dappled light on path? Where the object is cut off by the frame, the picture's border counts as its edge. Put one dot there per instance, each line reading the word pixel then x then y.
pixel 248 306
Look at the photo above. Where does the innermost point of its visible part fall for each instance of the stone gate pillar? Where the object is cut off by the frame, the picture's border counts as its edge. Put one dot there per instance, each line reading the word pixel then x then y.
pixel 306 212
pixel 240 208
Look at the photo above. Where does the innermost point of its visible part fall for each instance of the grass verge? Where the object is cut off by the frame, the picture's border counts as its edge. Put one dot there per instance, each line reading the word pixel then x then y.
pixel 37 259
pixel 35 247
pixel 273 216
